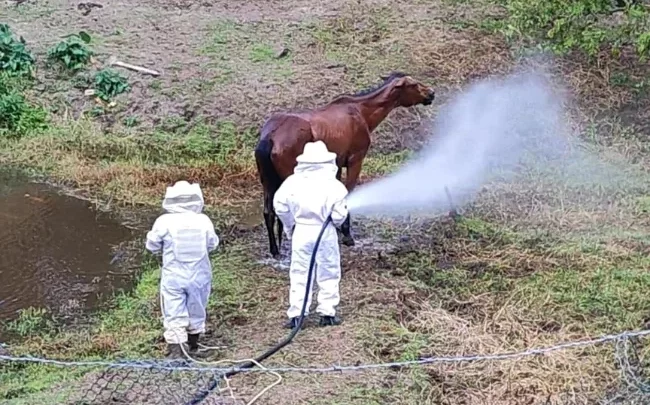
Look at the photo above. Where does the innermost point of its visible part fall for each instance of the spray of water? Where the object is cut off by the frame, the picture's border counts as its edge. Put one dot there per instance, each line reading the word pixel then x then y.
pixel 487 133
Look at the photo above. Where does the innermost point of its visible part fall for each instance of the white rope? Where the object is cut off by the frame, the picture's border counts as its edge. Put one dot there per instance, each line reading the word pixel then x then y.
pixel 229 388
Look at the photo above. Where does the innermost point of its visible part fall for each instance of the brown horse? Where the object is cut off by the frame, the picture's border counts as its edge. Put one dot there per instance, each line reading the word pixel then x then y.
pixel 344 125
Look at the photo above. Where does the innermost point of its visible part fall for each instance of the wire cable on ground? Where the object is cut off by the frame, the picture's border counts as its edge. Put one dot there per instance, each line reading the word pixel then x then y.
pixel 169 365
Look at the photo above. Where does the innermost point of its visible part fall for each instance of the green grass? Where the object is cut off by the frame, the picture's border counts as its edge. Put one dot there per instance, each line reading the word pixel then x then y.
pixel 32 384
pixel 382 164
pixel 262 53
pixel 608 299
pixel 235 48
pixel 643 204
pixel 362 39
pixel 31 321
pixel 220 144
pixel 602 300
pixel 19 116
pixel 79 150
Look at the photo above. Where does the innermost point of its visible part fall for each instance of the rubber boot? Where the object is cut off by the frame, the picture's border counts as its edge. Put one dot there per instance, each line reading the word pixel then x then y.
pixel 175 352
pixel 329 321
pixel 292 323
pixel 193 342
pixel 347 241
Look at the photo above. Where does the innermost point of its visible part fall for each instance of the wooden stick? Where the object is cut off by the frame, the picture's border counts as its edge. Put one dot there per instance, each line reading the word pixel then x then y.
pixel 135 68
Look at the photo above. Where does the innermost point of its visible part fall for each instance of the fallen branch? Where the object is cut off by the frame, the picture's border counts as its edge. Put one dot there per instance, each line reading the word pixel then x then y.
pixel 140 69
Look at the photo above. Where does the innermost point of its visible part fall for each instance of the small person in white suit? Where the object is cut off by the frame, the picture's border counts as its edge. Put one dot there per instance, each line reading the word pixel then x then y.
pixel 305 200
pixel 185 237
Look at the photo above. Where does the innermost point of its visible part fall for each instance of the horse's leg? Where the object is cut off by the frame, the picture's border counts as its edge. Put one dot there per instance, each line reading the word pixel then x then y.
pixel 338 177
pixel 347 240
pixel 351 178
pixel 280 232
pixel 269 218
pixel 272 221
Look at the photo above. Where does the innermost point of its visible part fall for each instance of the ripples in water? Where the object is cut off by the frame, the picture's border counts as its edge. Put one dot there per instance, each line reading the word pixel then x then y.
pixel 57 252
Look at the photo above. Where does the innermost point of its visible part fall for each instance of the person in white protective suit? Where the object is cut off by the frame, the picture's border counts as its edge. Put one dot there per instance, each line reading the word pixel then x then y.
pixel 184 236
pixel 305 200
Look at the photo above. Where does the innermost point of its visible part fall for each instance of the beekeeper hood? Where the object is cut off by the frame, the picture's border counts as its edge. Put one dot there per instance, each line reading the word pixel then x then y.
pixel 183 197
pixel 316 159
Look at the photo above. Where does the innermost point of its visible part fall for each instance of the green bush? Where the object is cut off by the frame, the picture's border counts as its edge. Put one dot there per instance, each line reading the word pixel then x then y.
pixel 73 53
pixel 15 59
pixel 587 25
pixel 109 84
pixel 17 116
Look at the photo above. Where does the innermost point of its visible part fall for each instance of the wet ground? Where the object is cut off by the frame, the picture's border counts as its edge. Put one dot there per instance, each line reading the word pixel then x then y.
pixel 251 215
pixel 58 252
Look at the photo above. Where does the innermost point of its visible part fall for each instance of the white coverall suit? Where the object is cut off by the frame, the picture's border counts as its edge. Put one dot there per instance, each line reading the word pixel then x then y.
pixel 306 199
pixel 185 236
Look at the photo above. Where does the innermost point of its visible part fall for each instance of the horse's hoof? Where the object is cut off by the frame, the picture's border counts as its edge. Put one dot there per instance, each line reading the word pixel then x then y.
pixel 347 241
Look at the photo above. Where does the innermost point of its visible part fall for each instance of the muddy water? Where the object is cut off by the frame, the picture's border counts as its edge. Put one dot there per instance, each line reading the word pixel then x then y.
pixel 250 214
pixel 57 252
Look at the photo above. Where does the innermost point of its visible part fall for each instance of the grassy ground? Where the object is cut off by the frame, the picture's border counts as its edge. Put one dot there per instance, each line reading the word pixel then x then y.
pixel 529 265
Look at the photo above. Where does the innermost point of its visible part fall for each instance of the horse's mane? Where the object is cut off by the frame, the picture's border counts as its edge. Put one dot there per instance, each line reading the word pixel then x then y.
pixel 370 90
pixel 389 79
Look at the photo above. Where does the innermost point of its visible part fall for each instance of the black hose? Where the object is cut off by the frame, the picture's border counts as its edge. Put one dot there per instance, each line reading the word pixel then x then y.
pixel 310 274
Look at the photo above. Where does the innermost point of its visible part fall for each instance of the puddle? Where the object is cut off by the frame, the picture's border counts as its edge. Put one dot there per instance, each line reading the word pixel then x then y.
pixel 283 263
pixel 368 244
pixel 58 252
pixel 250 214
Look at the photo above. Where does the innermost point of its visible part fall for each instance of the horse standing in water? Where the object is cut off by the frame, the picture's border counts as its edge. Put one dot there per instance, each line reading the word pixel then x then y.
pixel 344 125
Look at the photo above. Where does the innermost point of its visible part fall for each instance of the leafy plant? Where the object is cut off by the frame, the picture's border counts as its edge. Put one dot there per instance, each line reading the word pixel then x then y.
pixel 587 25
pixel 96 111
pixel 17 116
pixel 109 84
pixel 73 53
pixel 15 59
pixel 131 121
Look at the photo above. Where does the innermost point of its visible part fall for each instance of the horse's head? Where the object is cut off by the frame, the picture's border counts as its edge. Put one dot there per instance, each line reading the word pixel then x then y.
pixel 412 92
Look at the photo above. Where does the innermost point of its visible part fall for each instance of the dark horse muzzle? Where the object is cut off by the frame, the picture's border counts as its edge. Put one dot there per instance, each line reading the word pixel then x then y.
pixel 430 98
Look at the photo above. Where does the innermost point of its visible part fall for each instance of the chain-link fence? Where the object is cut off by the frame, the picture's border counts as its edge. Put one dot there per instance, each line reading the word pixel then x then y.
pixel 118 385
pixel 185 382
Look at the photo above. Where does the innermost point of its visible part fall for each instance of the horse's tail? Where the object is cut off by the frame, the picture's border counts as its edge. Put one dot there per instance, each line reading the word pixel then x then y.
pixel 268 175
